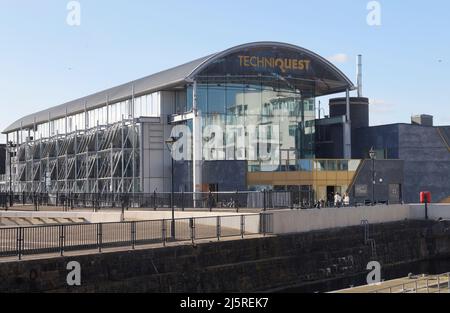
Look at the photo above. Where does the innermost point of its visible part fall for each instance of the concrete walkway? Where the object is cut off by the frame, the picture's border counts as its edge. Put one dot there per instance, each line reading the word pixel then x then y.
pixel 418 284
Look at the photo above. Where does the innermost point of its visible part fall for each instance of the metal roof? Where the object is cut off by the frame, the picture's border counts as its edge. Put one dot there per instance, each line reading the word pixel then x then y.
pixel 166 79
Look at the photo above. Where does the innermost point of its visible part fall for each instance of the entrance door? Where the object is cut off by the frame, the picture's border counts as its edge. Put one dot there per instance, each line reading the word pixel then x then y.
pixel 394 193
pixel 331 191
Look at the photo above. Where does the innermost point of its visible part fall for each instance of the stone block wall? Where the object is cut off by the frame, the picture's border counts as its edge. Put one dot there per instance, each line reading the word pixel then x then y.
pixel 251 265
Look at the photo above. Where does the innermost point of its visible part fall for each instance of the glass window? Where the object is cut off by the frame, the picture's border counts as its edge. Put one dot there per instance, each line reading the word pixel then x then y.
pixel 70 126
pixel 118 112
pixel 137 107
pixel 305 165
pixel 320 165
pixel 342 165
pixel 331 165
pixel 180 106
pixel 189 98
pixel 202 98
pixel 153 102
pixel 216 99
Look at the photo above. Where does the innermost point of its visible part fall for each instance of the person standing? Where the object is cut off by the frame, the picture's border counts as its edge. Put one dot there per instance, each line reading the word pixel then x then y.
pixel 337 200
pixel 346 200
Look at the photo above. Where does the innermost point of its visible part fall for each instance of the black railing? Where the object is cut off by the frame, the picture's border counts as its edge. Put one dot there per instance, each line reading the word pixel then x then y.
pixel 208 201
pixel 235 201
pixel 51 239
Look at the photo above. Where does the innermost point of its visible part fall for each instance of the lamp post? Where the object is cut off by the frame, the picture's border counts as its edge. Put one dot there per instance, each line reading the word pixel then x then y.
pixel 170 142
pixel 372 155
pixel 11 146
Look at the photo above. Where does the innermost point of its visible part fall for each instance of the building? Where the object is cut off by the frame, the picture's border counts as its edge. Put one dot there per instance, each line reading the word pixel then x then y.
pixel 3 177
pixel 241 119
pixel 417 156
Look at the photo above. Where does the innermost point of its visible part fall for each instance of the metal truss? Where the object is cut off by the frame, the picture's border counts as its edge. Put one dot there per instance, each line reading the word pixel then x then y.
pixel 104 159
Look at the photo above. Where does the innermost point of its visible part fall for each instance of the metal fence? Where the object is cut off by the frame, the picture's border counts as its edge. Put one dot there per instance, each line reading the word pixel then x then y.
pixel 22 241
pixel 209 201
pixel 157 200
pixel 425 284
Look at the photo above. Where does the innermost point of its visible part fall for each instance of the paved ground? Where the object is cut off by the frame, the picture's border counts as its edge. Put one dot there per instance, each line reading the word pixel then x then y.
pixel 418 284
pixel 85 236
pixel 125 248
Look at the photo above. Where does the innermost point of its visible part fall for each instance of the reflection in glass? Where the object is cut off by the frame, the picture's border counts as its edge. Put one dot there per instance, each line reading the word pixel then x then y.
pixel 255 105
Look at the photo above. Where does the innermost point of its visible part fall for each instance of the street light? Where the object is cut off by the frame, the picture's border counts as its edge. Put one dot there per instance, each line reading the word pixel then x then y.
pixel 372 155
pixel 170 142
pixel 11 154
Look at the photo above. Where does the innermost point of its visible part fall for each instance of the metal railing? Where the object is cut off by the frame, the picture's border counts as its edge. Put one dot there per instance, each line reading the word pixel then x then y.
pixel 33 240
pixel 424 284
pixel 235 201
pixel 209 201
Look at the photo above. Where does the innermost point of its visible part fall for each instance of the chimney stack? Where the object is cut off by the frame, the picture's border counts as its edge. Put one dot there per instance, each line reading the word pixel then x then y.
pixel 359 77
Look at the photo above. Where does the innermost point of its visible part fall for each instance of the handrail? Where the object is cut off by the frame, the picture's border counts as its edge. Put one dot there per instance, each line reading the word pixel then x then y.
pixel 443 137
pixel 40 239
pixel 416 282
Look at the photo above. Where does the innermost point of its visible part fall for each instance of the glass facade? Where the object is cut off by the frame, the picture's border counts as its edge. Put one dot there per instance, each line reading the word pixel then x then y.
pixel 144 106
pixel 93 151
pixel 254 106
pixel 255 100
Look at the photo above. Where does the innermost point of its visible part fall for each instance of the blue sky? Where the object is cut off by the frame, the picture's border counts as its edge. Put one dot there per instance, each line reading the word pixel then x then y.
pixel 45 62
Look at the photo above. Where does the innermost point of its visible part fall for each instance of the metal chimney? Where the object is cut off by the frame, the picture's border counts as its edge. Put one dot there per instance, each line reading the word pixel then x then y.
pixel 359 76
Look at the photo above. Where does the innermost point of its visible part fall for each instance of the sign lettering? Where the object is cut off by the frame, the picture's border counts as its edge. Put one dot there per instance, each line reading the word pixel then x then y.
pixel 269 62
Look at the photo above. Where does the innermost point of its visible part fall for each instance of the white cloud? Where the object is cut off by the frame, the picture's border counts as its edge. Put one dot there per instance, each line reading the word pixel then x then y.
pixel 380 106
pixel 338 58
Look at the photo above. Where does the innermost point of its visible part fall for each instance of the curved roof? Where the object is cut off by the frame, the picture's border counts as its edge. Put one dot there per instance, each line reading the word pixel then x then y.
pixel 269 44
pixel 166 79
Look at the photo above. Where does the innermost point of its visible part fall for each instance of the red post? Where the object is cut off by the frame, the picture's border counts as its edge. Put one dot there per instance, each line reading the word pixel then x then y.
pixel 425 197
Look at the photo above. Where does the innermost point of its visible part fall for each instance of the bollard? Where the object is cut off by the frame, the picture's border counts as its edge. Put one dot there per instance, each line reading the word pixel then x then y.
pixel 264 200
pixel 192 227
pixel 99 237
pixel 218 228
pixel 164 232
pixel 62 239
pixel 182 200
pixel 133 235
pixel 210 201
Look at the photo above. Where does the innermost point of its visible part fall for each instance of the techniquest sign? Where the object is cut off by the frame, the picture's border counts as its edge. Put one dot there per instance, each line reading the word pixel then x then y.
pixel 283 64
